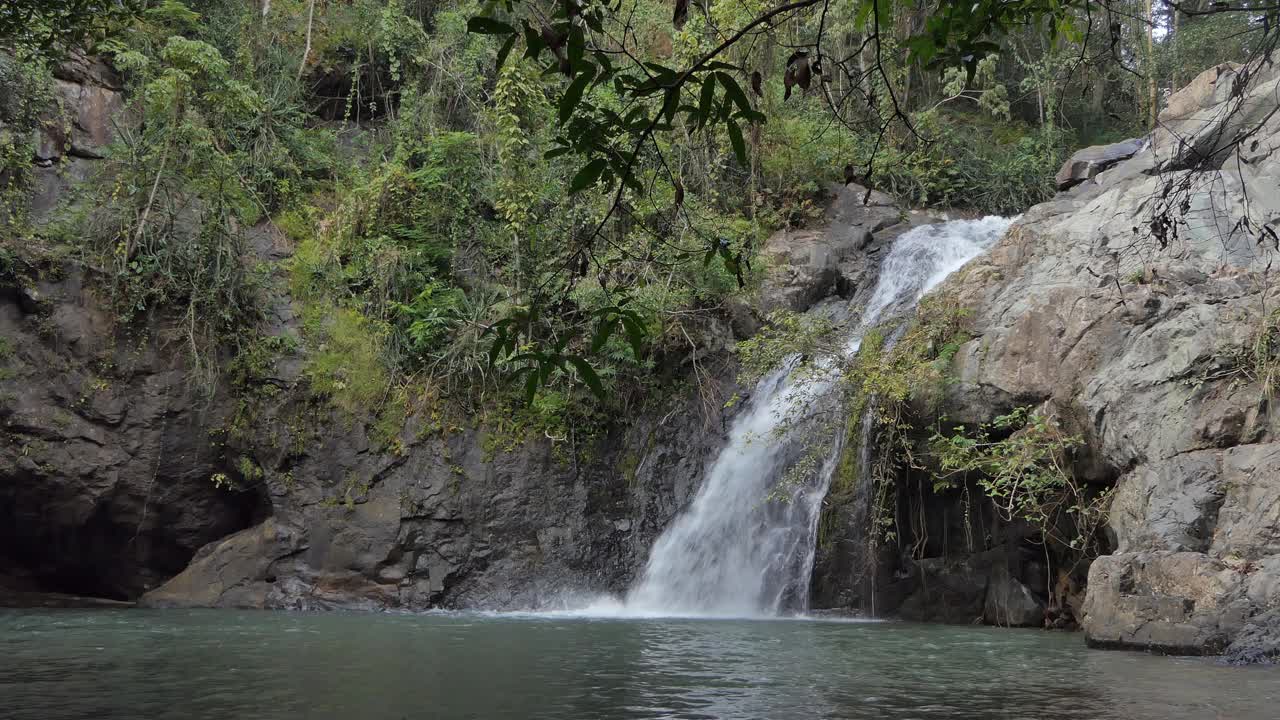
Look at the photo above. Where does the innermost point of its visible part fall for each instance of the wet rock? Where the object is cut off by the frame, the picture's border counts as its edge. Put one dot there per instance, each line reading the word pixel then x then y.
pixel 1258 643
pixel 806 266
pixel 1011 603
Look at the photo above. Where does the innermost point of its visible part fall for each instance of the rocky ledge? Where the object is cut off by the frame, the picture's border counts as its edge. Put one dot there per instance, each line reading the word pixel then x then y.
pixel 1141 303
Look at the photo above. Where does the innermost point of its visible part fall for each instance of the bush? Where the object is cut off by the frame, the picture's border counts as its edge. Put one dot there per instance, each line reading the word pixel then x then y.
pixel 962 167
pixel 1026 473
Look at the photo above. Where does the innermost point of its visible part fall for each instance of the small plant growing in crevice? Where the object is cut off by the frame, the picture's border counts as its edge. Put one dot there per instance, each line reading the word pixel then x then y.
pixel 900 382
pixel 1021 462
pixel 1261 361
pixel 1256 361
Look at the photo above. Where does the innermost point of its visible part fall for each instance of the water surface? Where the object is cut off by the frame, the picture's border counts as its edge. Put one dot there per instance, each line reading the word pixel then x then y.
pixel 81 664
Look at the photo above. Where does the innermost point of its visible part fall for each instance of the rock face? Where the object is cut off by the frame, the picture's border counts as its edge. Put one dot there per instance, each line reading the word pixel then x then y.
pixel 107 482
pixel 117 474
pixel 121 475
pixel 1139 308
pixel 1151 322
pixel 106 457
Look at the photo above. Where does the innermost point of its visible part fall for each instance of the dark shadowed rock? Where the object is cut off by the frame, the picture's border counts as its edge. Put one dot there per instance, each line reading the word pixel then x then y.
pixel 1011 603
pixel 106 459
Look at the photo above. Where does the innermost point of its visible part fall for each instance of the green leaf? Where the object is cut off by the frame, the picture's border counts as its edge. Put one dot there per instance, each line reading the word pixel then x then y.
pixel 670 103
pixel 706 99
pixel 733 91
pixel 496 348
pixel 556 152
pixel 588 375
pixel 629 177
pixel 635 333
pixel 603 333
pixel 504 52
pixel 481 25
pixel 739 146
pixel 533 42
pixel 577 46
pixel 587 175
pixel 922 48
pixel 531 386
pixel 573 95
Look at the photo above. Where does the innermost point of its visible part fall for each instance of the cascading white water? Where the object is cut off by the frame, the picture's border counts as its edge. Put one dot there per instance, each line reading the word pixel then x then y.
pixel 735 552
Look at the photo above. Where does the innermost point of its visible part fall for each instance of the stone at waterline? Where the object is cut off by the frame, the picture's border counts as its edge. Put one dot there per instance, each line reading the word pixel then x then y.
pixel 1011 603
pixel 1257 643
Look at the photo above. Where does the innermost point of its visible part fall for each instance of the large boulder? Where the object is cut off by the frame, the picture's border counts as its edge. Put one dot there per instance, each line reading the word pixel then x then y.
pixel 1170 602
pixel 1148 342
pixel 1085 164
pixel 236 571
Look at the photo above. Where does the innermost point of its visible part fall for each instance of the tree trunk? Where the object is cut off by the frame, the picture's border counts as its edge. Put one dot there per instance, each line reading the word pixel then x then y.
pixel 1152 101
pixel 311 11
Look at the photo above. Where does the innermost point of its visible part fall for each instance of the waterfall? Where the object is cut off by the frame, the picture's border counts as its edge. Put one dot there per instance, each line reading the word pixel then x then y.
pixel 740 551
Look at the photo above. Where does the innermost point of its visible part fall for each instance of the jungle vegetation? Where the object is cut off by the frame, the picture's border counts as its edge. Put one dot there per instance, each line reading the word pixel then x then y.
pixel 537 202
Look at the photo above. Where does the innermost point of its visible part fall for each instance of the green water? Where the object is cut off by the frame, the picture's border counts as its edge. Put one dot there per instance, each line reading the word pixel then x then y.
pixel 224 665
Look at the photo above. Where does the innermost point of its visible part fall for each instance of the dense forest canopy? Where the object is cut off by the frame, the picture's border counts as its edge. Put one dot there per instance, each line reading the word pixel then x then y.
pixel 555 190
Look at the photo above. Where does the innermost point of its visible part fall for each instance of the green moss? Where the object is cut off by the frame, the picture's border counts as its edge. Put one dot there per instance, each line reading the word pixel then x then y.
pixel 628 465
pixel 345 364
pixel 901 382
pixel 844 482
pixel 390 421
